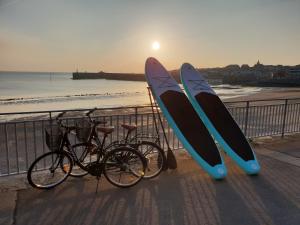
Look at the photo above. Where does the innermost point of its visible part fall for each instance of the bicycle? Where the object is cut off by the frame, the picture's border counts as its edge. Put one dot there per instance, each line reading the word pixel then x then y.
pixel 122 166
pixel 145 144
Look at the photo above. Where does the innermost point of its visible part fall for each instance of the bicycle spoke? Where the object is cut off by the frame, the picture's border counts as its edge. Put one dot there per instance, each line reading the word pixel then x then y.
pixel 122 167
pixel 45 171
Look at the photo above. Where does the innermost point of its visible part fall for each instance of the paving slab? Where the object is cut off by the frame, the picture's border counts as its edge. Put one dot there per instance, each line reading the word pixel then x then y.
pixel 8 200
pixel 184 196
pixel 289 144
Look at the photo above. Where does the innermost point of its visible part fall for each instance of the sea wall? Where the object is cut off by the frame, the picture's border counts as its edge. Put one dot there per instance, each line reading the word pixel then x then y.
pixel 109 76
pixel 115 76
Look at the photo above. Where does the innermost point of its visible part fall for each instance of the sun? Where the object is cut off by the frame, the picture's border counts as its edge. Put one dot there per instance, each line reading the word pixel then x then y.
pixel 155 45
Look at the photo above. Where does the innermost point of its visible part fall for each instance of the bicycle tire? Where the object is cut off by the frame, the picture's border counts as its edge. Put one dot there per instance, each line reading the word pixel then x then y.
pixel 125 163
pixel 84 156
pixel 38 170
pixel 155 157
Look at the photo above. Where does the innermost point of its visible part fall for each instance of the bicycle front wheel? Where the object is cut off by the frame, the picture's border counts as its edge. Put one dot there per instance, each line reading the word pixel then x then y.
pixel 85 153
pixel 124 167
pixel 49 170
pixel 155 158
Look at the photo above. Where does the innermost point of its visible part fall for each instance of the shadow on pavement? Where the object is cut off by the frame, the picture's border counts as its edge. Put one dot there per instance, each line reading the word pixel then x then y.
pixel 185 196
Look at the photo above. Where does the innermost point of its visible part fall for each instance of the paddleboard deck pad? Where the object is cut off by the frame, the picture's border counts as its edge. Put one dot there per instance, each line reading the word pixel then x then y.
pixel 217 119
pixel 183 119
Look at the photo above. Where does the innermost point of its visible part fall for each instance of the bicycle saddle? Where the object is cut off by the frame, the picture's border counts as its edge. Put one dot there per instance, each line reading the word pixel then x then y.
pixel 105 130
pixel 129 127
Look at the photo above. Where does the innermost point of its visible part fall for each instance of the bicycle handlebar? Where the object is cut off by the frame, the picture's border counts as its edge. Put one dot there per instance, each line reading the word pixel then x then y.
pixel 60 115
pixel 59 121
pixel 90 112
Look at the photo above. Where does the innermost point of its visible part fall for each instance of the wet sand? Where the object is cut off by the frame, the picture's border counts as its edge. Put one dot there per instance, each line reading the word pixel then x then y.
pixel 284 93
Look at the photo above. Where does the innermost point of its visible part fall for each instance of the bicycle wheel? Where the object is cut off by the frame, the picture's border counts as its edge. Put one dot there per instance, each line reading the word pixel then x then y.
pixel 85 154
pixel 46 171
pixel 124 167
pixel 154 156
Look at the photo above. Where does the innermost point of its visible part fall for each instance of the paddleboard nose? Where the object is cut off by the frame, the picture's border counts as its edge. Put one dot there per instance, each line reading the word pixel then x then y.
pixel 151 60
pixel 186 66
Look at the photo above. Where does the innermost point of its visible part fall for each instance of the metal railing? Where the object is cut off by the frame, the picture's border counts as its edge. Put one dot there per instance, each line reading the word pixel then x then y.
pixel 23 139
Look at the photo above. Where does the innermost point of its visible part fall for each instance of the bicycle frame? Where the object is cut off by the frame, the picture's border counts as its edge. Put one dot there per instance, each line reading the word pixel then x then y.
pixel 93 136
pixel 133 141
pixel 65 142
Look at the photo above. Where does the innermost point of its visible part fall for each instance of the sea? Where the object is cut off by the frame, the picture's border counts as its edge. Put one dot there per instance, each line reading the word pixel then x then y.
pixel 32 91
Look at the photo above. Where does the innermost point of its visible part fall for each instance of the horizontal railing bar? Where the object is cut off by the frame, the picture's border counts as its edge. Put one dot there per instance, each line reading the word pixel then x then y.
pixel 263 100
pixel 75 110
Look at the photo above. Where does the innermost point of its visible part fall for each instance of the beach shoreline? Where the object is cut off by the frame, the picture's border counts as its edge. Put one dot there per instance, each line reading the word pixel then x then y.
pixel 265 95
pixel 284 93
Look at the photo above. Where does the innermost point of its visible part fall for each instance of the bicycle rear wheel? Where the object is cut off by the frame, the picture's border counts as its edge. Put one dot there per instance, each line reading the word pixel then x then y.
pixel 155 158
pixel 124 167
pixel 49 170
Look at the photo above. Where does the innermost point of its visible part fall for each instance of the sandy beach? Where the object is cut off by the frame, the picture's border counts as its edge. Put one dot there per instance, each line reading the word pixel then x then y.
pixel 284 93
pixel 265 96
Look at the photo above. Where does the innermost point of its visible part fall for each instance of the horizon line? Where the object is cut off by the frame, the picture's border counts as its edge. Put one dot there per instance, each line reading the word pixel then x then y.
pixel 37 71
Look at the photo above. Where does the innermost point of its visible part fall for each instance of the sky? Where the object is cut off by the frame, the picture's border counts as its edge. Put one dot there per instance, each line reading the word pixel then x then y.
pixel 117 35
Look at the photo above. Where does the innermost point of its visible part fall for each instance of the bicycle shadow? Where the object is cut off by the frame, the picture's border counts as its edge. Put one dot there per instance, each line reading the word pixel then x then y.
pixel 183 196
pixel 156 201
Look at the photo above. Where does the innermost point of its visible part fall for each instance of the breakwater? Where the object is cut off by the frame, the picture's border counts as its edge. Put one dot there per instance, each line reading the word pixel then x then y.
pixel 109 76
pixel 115 76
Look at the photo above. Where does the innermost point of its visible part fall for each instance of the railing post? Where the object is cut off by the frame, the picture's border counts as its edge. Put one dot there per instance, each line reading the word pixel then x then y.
pixel 284 117
pixel 246 118
pixel 7 148
pixel 136 120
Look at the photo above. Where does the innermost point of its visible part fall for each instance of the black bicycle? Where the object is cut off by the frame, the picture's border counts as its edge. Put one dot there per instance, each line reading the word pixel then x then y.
pixel 122 166
pixel 145 144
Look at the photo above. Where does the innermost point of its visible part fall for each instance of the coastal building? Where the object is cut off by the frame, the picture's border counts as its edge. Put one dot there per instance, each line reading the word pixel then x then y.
pixel 263 75
pixel 294 72
pixel 257 75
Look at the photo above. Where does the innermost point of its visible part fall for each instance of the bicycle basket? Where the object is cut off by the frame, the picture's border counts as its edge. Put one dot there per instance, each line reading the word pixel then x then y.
pixel 83 130
pixel 54 137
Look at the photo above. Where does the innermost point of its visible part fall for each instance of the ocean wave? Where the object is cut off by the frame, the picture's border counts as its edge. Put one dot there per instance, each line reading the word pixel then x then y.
pixel 224 86
pixel 64 98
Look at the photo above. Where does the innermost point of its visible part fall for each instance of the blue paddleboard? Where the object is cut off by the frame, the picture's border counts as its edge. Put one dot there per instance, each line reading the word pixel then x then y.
pixel 217 119
pixel 183 119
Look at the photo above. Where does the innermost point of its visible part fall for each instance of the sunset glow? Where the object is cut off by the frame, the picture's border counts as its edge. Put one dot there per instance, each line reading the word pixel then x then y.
pixel 74 35
pixel 155 45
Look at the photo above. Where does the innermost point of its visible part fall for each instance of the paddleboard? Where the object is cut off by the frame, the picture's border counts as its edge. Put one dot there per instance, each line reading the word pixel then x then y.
pixel 183 119
pixel 217 119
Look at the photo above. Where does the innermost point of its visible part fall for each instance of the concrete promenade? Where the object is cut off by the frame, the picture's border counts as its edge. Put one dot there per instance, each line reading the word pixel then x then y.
pixel 183 196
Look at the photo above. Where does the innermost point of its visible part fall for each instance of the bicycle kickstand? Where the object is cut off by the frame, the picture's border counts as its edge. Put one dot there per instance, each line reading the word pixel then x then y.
pixel 98 179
